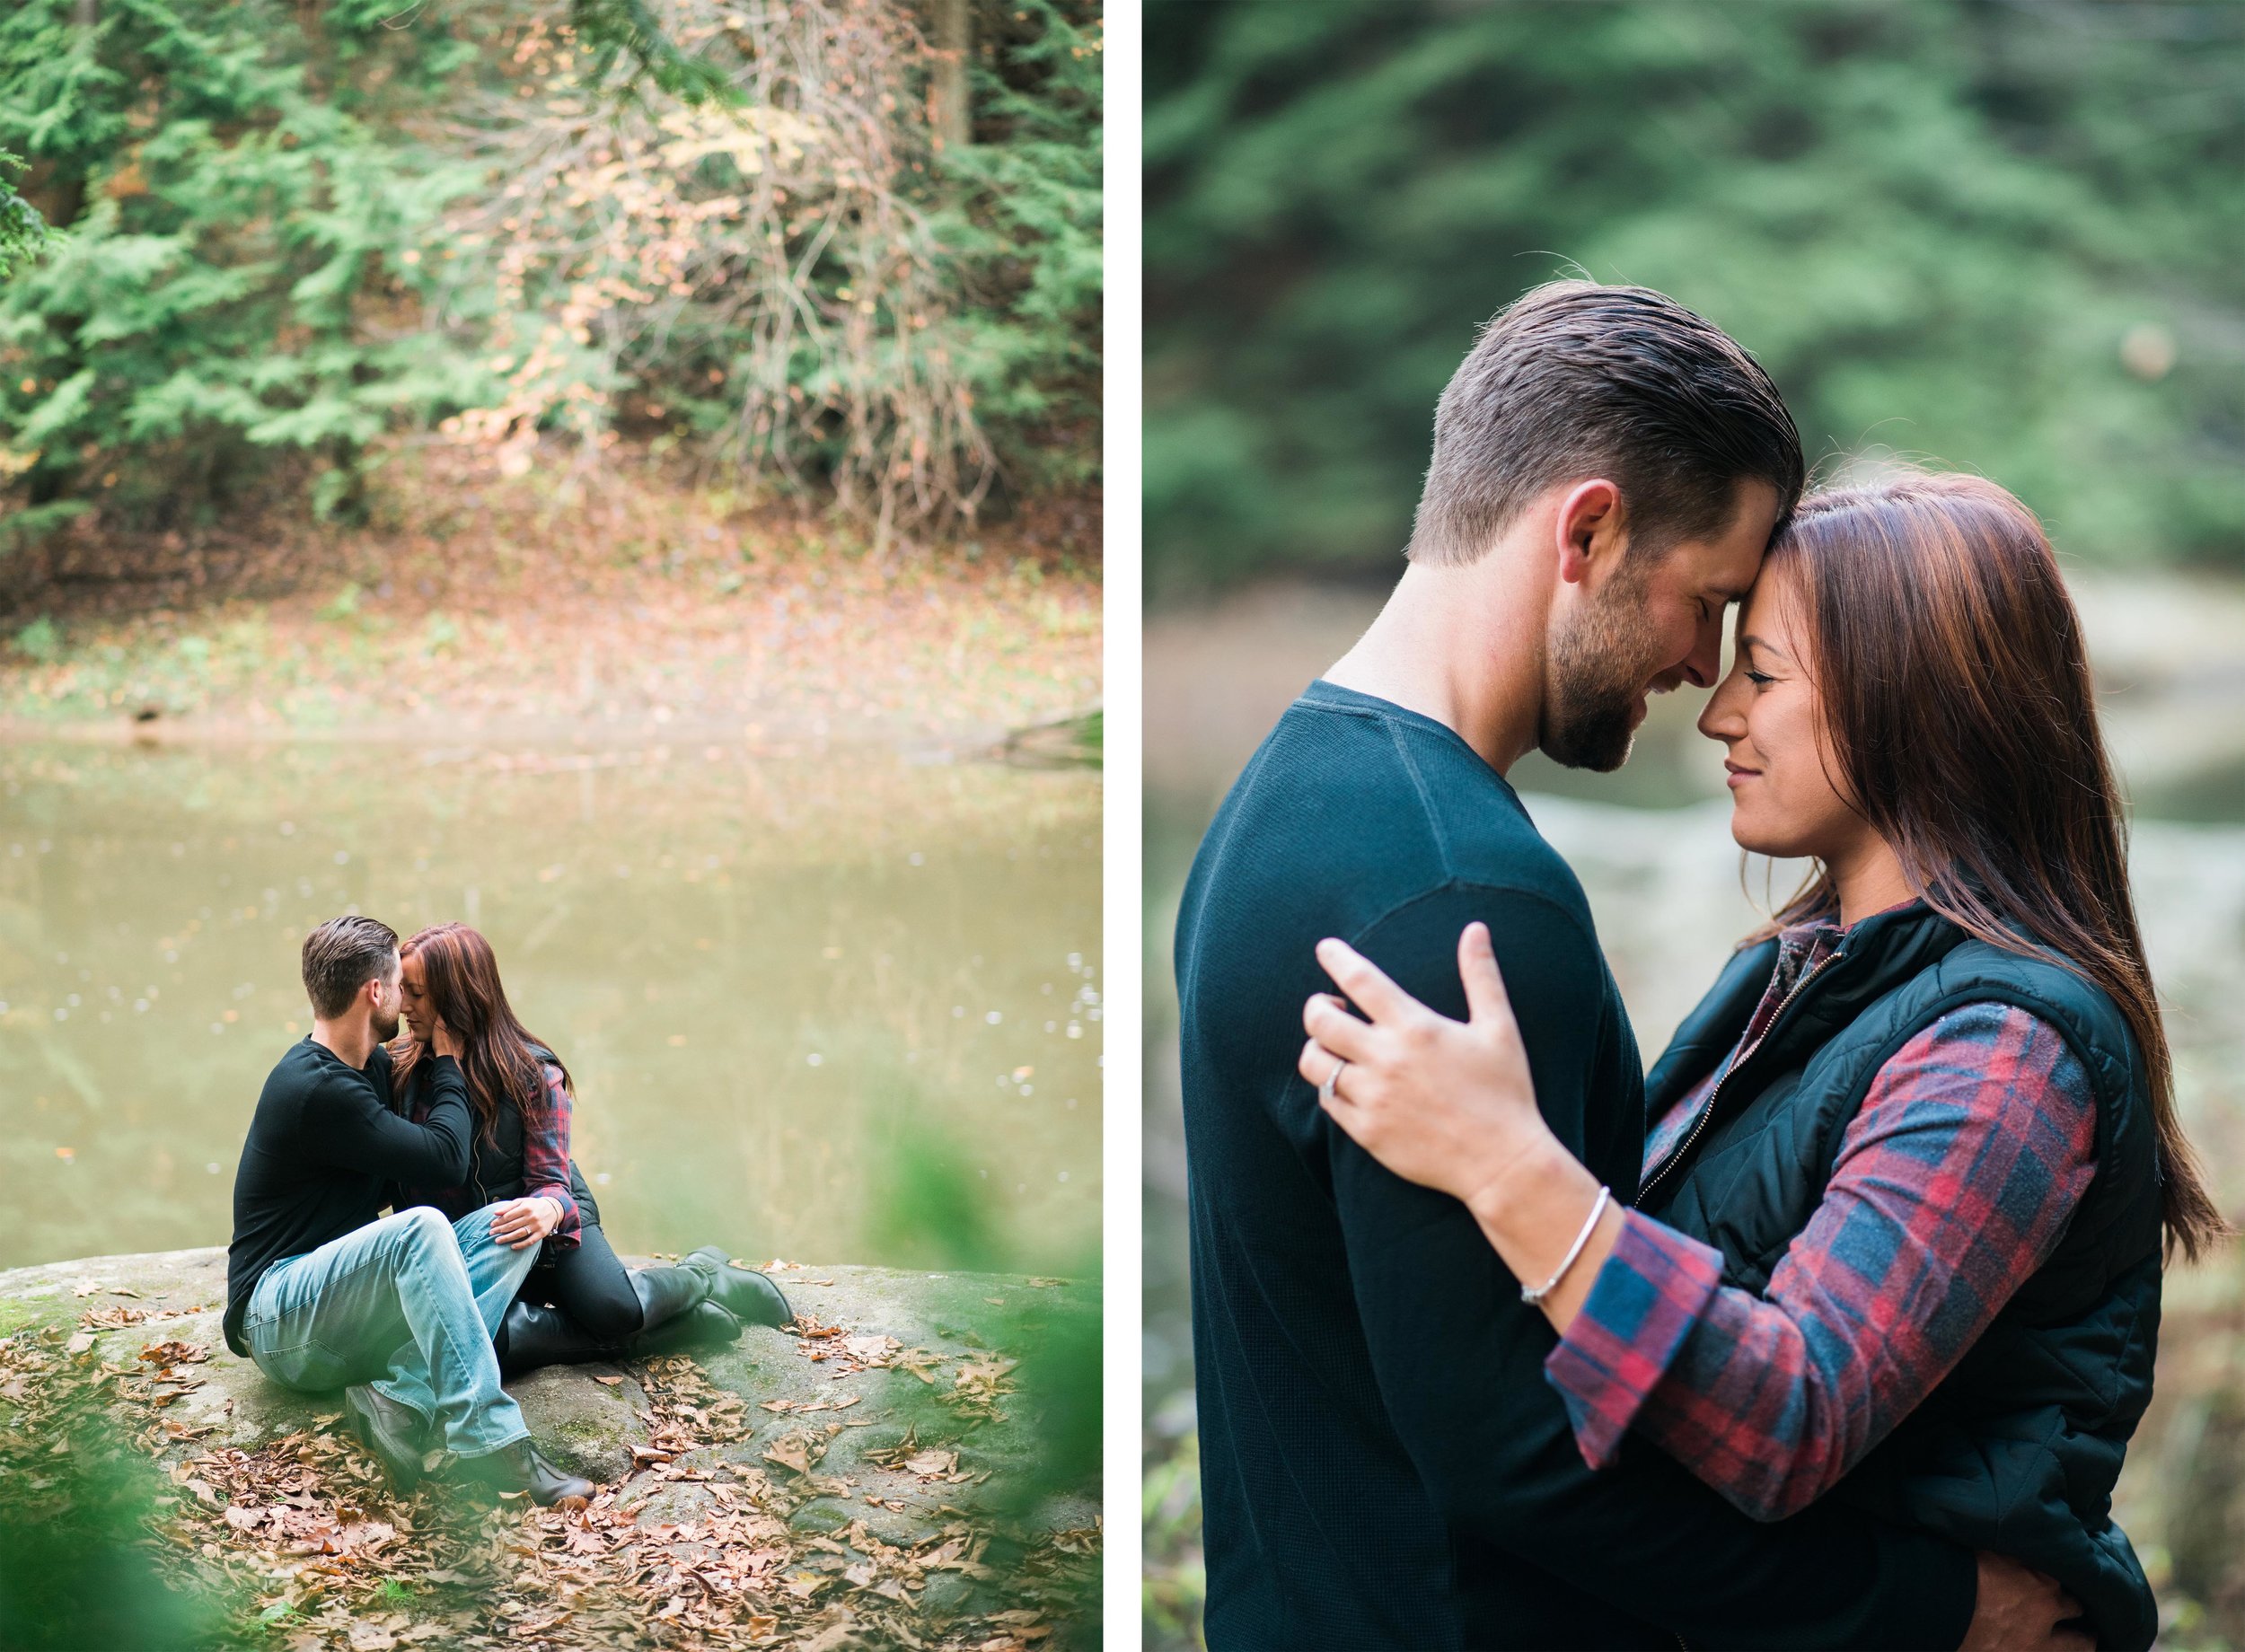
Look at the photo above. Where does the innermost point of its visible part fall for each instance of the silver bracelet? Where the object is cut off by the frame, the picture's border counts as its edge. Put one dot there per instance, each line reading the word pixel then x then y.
pixel 1532 1294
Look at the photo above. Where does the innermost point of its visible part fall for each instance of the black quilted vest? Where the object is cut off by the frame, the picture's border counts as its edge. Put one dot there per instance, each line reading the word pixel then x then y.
pixel 2018 1449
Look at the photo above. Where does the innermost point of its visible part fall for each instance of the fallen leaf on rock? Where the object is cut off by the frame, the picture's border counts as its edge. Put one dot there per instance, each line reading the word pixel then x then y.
pixel 79 1342
pixel 792 1453
pixel 607 1382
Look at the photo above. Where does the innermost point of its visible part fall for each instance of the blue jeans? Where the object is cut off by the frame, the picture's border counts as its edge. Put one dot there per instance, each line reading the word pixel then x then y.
pixel 408 1304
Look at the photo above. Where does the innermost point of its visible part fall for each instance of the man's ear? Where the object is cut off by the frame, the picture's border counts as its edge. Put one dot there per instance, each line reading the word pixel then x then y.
pixel 1589 530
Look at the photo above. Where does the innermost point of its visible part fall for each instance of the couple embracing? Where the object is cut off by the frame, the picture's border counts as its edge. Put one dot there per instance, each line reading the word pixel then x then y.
pixel 1830 1331
pixel 492 1261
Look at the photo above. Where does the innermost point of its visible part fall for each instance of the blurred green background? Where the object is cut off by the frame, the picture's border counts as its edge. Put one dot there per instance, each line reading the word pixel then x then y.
pixel 2007 233
pixel 2002 236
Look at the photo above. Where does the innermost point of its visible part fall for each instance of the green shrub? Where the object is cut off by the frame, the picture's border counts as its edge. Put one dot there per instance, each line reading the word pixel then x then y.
pixel 283 231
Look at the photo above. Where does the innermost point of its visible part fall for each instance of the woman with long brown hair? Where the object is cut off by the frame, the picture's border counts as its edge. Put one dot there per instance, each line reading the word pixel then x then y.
pixel 579 1302
pixel 1913 1166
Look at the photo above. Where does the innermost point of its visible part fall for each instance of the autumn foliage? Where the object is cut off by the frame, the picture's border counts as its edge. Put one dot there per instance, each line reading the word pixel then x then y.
pixel 286 234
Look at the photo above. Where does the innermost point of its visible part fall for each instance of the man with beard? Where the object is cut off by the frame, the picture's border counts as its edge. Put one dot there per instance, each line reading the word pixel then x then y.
pixel 323 1291
pixel 1383 1463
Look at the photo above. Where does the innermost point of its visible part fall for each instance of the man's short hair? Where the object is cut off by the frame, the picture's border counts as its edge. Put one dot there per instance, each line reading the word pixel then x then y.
pixel 1574 380
pixel 342 955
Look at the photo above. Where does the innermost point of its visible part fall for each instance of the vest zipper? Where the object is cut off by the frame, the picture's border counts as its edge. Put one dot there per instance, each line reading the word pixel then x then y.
pixel 1707 1114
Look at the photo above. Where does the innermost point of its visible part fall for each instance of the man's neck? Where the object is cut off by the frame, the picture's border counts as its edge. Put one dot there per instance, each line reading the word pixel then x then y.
pixel 1463 646
pixel 350 1039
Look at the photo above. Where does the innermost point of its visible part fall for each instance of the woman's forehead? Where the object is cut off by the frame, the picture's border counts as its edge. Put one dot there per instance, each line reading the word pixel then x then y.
pixel 1771 610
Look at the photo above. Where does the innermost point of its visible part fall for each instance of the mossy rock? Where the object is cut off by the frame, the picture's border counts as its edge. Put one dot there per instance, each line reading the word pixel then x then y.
pixel 591 1425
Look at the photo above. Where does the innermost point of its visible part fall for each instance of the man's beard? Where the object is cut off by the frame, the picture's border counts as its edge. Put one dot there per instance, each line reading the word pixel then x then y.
pixel 1598 666
pixel 385 1027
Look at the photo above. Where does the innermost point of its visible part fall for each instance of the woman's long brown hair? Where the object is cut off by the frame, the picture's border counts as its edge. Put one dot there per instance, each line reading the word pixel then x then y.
pixel 1956 704
pixel 498 1056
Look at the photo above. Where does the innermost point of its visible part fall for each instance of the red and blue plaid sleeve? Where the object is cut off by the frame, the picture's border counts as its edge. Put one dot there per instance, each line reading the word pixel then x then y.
pixel 1953 1185
pixel 546 1155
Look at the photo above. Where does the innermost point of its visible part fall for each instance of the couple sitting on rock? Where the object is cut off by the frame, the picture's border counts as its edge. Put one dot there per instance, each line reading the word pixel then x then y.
pixel 492 1261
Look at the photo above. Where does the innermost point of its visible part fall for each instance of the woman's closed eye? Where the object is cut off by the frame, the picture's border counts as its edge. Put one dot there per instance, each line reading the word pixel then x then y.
pixel 1760 679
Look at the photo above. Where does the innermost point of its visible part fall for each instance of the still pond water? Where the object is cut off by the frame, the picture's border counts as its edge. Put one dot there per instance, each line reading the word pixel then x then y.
pixel 764 974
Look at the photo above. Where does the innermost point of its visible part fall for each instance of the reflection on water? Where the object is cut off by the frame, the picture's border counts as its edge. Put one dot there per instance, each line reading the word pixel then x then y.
pixel 756 970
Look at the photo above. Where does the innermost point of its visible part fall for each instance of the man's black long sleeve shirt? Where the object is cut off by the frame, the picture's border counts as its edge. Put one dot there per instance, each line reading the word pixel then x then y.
pixel 323 1147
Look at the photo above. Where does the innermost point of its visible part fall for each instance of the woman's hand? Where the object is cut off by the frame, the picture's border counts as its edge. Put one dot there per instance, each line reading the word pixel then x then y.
pixel 441 1041
pixel 1451 1106
pixel 1446 1103
pixel 521 1222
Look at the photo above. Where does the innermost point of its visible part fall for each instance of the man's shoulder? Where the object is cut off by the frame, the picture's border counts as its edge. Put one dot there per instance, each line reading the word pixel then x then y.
pixel 1351 792
pixel 310 1076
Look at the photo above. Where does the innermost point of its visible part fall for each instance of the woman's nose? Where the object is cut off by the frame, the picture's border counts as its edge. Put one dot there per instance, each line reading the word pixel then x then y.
pixel 1719 718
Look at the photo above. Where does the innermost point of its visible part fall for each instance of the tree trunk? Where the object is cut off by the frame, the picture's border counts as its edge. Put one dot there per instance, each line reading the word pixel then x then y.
pixel 953 119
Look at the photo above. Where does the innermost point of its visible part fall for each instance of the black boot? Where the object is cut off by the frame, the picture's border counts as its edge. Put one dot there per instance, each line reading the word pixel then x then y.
pixel 749 1297
pixel 520 1467
pixel 675 1313
pixel 532 1335
pixel 703 1325
pixel 396 1434
pixel 666 1293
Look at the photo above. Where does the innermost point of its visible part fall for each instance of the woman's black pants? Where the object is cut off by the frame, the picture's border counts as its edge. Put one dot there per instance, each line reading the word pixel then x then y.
pixel 589 1284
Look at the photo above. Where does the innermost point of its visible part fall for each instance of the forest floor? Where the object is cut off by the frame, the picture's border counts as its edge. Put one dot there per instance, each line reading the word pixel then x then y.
pixel 878 1473
pixel 616 606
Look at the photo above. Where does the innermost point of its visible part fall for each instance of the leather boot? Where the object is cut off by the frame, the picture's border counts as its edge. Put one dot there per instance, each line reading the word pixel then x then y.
pixel 750 1297
pixel 703 1325
pixel 533 1334
pixel 666 1293
pixel 396 1434
pixel 520 1467
pixel 672 1316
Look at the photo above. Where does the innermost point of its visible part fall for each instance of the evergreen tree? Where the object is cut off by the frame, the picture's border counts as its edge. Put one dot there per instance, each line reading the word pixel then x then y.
pixel 2007 236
